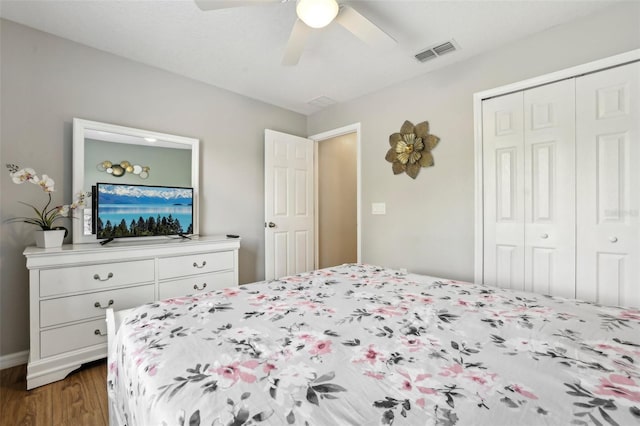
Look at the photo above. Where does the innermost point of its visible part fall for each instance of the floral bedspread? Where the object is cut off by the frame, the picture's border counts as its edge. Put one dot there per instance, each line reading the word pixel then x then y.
pixel 363 345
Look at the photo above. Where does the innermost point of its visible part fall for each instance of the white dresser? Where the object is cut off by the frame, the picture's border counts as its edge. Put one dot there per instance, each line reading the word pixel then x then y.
pixel 70 288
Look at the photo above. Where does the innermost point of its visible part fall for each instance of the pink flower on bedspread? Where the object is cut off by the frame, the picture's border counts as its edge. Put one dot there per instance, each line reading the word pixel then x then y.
pixel 630 314
pixel 230 292
pixel 452 370
pixel 236 371
pixel 520 389
pixel 151 369
pixel 376 375
pixel 321 347
pixel 412 343
pixel 389 311
pixel 415 385
pixel 369 355
pixel 619 386
pixel 308 305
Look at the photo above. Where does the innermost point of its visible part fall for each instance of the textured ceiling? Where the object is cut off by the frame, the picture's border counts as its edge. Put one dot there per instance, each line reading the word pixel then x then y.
pixel 241 49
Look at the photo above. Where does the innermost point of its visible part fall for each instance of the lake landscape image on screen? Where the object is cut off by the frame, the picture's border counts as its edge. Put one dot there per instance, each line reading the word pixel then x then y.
pixel 143 211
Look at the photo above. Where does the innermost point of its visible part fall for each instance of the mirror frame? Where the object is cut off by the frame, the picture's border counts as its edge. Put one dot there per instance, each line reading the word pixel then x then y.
pixel 80 128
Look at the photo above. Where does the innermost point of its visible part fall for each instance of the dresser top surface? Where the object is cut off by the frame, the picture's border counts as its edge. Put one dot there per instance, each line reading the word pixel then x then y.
pixel 137 245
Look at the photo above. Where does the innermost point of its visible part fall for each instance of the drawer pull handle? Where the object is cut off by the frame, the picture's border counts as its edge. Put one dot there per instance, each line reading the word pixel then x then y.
pixel 195 265
pixel 195 287
pixel 99 333
pixel 109 276
pixel 98 305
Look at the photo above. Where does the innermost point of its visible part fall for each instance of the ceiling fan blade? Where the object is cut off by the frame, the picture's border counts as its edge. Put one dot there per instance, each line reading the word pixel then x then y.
pixel 363 28
pixel 227 4
pixel 295 45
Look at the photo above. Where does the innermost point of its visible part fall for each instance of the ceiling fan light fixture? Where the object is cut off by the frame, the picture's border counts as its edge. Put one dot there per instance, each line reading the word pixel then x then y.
pixel 317 13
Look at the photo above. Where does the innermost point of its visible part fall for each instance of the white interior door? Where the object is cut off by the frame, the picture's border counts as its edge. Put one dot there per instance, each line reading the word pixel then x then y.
pixel 549 187
pixel 608 187
pixel 289 204
pixel 503 169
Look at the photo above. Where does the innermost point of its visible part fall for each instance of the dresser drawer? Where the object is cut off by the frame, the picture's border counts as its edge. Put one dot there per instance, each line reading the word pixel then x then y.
pixel 202 263
pixel 72 337
pixel 94 277
pixel 196 284
pixel 83 306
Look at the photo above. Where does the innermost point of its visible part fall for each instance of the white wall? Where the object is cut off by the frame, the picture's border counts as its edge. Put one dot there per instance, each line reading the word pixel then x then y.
pixel 46 81
pixel 429 225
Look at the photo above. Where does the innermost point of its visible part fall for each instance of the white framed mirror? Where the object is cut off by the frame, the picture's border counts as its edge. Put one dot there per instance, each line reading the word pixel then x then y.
pixel 110 153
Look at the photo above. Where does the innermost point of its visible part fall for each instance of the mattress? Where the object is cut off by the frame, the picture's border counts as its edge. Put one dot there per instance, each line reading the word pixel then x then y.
pixel 366 345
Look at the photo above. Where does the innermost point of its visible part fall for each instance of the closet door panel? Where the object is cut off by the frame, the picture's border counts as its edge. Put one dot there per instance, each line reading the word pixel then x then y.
pixel 503 191
pixel 608 186
pixel 549 182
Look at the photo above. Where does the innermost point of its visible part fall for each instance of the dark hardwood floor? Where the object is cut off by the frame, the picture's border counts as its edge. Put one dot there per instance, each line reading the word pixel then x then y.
pixel 80 399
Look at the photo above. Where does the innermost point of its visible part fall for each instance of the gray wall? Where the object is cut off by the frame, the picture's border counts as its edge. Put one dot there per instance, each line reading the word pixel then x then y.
pixel 429 225
pixel 47 81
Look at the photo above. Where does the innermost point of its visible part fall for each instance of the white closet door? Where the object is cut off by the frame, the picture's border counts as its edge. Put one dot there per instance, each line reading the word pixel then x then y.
pixel 549 201
pixel 503 169
pixel 608 167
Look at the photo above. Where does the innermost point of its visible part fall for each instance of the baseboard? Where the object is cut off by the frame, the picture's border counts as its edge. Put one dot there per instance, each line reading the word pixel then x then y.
pixel 11 360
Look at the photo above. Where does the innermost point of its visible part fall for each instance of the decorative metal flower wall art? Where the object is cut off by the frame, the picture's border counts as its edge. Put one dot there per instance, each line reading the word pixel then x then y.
pixel 411 148
pixel 119 169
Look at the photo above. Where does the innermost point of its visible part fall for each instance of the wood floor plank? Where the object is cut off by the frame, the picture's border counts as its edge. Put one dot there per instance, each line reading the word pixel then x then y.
pixel 80 399
pixel 98 376
pixel 22 407
pixel 74 400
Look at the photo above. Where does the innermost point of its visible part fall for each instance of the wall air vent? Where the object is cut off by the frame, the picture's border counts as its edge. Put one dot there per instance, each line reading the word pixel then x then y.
pixel 437 50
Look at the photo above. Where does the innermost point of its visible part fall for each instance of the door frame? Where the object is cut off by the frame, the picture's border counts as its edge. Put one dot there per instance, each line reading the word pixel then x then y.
pixel 317 138
pixel 590 67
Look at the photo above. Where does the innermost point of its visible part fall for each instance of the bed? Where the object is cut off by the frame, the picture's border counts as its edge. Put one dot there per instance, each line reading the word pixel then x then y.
pixel 365 345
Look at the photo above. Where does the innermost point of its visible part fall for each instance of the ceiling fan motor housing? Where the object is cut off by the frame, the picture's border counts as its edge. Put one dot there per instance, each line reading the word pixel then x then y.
pixel 317 13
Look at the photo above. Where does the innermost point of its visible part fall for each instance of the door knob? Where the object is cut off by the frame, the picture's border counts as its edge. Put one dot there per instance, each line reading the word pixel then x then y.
pixel 613 239
pixel 271 225
pixel 544 236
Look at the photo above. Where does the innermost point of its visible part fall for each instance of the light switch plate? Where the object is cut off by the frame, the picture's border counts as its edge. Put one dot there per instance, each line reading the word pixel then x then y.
pixel 378 208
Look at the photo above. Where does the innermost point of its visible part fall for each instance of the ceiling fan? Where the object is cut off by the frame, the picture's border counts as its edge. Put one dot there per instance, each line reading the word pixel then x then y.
pixel 313 14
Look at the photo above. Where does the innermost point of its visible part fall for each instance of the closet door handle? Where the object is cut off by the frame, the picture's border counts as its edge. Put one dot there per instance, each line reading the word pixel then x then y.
pixel 98 305
pixel 109 276
pixel 195 287
pixel 544 236
pixel 613 239
pixel 195 265
pixel 99 333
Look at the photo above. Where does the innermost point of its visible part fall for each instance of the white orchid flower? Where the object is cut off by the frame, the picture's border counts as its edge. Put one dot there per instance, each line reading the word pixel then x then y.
pixel 47 215
pixel 24 175
pixel 63 210
pixel 46 183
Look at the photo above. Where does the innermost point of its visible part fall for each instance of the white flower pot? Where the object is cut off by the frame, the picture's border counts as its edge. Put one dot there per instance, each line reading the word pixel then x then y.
pixel 49 239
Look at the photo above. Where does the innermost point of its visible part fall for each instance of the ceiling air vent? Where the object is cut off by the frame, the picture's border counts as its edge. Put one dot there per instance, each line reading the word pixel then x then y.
pixel 437 50
pixel 321 101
